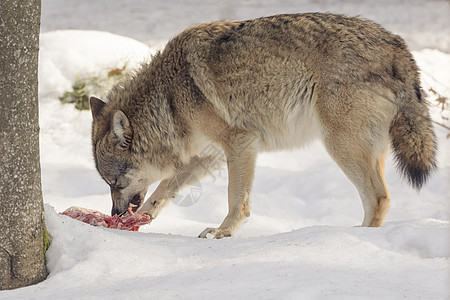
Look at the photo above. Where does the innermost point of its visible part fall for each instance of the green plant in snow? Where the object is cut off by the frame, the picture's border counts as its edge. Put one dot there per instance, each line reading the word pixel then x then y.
pixel 85 87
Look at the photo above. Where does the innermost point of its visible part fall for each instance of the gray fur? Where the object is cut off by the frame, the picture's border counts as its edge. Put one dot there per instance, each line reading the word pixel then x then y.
pixel 263 85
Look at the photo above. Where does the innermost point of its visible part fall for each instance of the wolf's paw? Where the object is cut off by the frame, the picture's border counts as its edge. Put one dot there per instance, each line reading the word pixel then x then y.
pixel 215 233
pixel 150 208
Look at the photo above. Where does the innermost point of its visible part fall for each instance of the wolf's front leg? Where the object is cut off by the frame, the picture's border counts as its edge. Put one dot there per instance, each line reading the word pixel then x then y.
pixel 196 169
pixel 241 168
pixel 160 198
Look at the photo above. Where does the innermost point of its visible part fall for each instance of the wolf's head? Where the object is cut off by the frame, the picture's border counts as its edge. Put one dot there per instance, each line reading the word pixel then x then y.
pixel 120 165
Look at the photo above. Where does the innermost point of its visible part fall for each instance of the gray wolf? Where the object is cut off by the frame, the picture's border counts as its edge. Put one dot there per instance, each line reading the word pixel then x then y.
pixel 263 85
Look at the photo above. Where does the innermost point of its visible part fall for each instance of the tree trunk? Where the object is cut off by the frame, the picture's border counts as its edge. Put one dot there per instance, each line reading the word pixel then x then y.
pixel 22 226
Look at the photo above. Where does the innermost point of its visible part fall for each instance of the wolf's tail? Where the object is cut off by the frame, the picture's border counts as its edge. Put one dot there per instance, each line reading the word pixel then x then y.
pixel 412 138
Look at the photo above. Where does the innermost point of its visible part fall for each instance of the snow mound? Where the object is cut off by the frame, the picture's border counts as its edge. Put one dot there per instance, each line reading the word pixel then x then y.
pixel 318 261
pixel 425 238
pixel 66 55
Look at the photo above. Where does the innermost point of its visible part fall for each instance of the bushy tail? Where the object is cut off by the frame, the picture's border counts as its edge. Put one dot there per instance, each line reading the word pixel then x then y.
pixel 413 139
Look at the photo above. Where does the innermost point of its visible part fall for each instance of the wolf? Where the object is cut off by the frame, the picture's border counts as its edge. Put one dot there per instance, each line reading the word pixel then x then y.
pixel 244 87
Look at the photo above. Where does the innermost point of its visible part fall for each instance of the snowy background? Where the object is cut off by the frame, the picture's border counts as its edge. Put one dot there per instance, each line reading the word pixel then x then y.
pixel 300 241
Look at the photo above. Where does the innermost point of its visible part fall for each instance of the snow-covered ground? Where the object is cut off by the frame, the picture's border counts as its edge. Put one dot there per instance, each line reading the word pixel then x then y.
pixel 300 241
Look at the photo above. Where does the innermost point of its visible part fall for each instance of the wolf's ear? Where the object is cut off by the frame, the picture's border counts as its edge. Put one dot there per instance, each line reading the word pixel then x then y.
pixel 96 106
pixel 122 129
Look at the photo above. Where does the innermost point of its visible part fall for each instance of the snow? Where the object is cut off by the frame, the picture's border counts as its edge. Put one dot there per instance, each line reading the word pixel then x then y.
pixel 90 53
pixel 301 240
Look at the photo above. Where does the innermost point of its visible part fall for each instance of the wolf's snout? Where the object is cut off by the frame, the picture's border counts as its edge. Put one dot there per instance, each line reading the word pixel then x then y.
pixel 122 206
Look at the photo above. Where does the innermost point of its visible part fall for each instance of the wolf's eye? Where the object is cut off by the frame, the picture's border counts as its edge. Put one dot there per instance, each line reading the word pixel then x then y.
pixel 114 185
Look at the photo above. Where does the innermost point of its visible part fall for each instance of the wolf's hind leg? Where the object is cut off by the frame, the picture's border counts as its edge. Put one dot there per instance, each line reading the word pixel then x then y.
pixel 383 198
pixel 355 125
pixel 196 169
pixel 367 173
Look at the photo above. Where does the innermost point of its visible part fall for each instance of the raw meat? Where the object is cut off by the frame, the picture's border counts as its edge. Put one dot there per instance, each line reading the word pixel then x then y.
pixel 130 222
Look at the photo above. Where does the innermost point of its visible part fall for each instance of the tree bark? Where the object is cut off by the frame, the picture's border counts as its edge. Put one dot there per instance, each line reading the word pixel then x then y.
pixel 22 226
